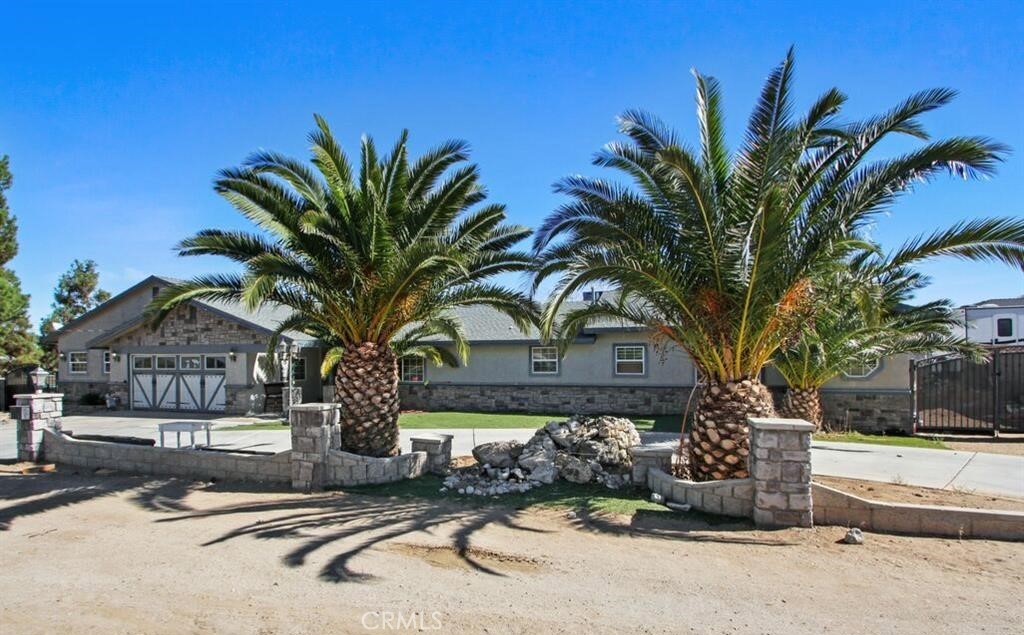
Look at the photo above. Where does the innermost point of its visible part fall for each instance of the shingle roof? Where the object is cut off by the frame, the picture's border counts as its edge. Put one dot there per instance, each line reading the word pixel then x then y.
pixel 484 324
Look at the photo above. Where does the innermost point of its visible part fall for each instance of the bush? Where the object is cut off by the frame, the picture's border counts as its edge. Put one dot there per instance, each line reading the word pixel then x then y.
pixel 92 399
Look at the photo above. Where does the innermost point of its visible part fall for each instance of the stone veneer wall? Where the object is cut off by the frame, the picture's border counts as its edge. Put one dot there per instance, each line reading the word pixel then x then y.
pixel 345 469
pixel 833 507
pixel 188 325
pixel 555 399
pixel 145 459
pixel 869 411
pixel 35 414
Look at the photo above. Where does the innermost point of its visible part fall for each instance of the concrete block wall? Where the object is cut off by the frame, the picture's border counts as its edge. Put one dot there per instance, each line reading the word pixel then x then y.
pixel 731 497
pixel 834 507
pixel 145 459
pixel 345 469
pixel 780 464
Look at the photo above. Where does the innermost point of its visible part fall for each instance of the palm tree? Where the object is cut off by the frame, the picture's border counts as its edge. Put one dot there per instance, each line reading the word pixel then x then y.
pixel 719 252
pixel 373 265
pixel 863 315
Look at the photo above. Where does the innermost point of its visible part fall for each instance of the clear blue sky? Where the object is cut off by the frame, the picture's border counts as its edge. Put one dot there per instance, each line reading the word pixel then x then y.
pixel 117 117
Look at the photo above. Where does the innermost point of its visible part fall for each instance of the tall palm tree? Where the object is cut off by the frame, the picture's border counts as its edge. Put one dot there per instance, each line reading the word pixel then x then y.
pixel 719 252
pixel 371 263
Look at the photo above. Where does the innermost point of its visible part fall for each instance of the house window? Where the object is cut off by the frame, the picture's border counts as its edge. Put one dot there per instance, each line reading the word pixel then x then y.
pixel 1004 327
pixel 630 359
pixel 299 369
pixel 142 363
pixel 106 362
pixel 191 362
pixel 862 371
pixel 78 362
pixel 217 362
pixel 410 369
pixel 166 362
pixel 543 360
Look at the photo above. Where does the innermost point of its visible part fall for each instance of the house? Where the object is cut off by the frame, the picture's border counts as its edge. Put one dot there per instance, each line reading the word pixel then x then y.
pixel 996 321
pixel 204 358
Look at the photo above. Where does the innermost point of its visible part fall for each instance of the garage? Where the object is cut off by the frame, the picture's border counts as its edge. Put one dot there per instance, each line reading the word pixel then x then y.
pixel 178 382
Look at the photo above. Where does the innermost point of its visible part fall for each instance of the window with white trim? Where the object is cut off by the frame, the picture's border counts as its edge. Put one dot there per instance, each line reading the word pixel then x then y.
pixel 543 360
pixel 862 371
pixel 142 363
pixel 166 362
pixel 78 362
pixel 410 369
pixel 299 369
pixel 1004 327
pixel 106 362
pixel 191 362
pixel 630 359
pixel 216 362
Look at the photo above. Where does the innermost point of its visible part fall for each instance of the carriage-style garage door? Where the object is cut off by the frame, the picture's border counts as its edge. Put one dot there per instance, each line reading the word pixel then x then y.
pixel 178 382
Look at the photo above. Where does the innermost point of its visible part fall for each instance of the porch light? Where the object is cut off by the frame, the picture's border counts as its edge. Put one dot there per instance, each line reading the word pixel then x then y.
pixel 63 356
pixel 232 354
pixel 38 379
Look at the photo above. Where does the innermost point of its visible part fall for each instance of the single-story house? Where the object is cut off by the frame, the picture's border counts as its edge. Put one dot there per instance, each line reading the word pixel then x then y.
pixel 203 358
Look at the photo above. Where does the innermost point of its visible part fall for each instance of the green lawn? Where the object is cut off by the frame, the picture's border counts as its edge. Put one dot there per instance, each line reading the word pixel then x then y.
pixel 591 498
pixel 451 420
pixel 881 439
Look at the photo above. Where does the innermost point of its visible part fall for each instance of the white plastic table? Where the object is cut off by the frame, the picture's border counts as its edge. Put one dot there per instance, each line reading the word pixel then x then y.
pixel 177 427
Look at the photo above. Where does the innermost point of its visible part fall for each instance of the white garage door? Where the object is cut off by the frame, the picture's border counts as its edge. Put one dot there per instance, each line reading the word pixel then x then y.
pixel 178 382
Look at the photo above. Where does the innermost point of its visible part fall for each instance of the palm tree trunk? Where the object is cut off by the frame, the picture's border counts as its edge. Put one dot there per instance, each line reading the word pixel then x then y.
pixel 719 443
pixel 803 403
pixel 366 384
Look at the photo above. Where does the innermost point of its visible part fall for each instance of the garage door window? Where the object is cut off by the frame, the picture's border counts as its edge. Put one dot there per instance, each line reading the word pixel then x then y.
pixel 166 363
pixel 142 363
pixel 216 363
pixel 190 362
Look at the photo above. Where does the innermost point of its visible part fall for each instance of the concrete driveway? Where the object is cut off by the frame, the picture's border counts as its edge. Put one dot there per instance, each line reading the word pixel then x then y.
pixel 976 471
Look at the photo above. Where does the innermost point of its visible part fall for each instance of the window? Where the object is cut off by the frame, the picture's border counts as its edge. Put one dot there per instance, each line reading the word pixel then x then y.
pixel 630 360
pixel 1004 327
pixel 217 362
pixel 410 369
pixel 142 363
pixel 299 369
pixel 106 362
pixel 543 360
pixel 862 371
pixel 166 362
pixel 78 362
pixel 191 362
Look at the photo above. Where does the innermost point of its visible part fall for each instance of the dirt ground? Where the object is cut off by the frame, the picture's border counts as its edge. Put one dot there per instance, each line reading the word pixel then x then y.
pixel 118 554
pixel 1005 443
pixel 892 493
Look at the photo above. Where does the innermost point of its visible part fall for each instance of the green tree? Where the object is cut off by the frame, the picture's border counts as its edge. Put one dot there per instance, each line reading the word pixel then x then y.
pixel 17 343
pixel 370 263
pixel 77 292
pixel 720 252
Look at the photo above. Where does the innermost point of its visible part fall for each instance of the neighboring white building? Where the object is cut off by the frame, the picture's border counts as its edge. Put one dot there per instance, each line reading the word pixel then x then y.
pixel 997 322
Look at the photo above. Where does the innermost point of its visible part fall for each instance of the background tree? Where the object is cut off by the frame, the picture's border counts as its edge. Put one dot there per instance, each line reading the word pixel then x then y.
pixel 17 343
pixel 719 252
pixel 76 293
pixel 370 263
pixel 863 314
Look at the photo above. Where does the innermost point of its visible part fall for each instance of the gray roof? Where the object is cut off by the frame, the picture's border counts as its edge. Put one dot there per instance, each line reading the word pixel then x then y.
pixel 484 324
pixel 1002 302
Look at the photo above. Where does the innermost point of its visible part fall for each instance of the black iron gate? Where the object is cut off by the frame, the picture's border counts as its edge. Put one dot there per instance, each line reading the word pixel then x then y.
pixel 953 394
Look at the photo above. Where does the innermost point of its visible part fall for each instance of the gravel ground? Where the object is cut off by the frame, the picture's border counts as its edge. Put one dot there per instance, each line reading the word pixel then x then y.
pixel 1006 443
pixel 892 493
pixel 118 554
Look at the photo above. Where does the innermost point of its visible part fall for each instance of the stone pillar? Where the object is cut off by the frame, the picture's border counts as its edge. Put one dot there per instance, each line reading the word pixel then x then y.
pixel 35 412
pixel 290 396
pixel 648 456
pixel 438 448
pixel 780 464
pixel 311 426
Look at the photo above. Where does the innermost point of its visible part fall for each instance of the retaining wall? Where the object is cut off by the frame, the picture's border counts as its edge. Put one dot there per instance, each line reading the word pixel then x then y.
pixel 834 507
pixel 144 459
pixel 345 469
pixel 731 497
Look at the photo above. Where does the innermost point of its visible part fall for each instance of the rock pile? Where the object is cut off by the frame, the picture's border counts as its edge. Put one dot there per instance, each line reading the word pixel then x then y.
pixel 578 450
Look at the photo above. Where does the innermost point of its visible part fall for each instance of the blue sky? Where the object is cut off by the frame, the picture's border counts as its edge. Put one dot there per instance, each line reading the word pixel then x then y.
pixel 117 116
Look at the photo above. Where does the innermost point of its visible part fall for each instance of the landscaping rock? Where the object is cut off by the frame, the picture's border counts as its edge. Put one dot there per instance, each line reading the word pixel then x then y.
pixel 854 537
pixel 573 469
pixel 498 454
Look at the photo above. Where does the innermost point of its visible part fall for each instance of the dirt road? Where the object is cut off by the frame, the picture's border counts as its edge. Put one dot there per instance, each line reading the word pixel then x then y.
pixel 122 554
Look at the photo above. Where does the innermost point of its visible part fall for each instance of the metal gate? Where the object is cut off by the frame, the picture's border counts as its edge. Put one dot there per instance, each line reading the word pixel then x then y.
pixel 953 394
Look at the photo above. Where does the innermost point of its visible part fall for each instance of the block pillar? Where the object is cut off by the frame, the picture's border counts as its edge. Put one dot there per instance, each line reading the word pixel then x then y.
pixel 647 456
pixel 311 427
pixel 438 448
pixel 780 464
pixel 35 412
